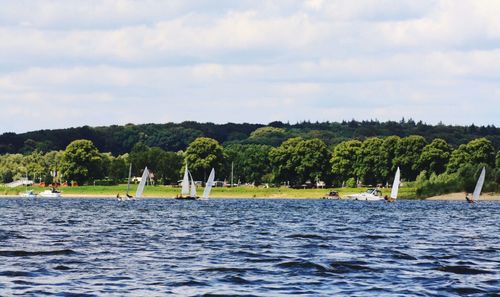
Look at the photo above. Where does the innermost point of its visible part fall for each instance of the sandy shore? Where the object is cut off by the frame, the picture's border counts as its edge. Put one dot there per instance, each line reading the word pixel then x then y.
pixel 461 196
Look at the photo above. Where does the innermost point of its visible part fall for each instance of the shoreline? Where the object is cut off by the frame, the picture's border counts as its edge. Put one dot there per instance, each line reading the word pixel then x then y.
pixel 459 196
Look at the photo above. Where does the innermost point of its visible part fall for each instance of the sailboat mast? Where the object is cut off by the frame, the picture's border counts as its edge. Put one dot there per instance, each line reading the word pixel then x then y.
pixel 232 173
pixel 129 176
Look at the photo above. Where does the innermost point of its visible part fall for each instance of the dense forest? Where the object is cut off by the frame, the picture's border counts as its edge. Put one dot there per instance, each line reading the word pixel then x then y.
pixel 278 154
pixel 118 140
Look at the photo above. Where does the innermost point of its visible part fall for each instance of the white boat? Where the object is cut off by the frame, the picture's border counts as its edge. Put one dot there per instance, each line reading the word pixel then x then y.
pixel 395 187
pixel 28 194
pixel 479 186
pixel 188 190
pixel 142 183
pixel 50 194
pixel 371 194
pixel 208 186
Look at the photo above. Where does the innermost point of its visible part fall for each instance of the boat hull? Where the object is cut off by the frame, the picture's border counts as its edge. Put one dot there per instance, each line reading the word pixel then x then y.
pixel 49 194
pixel 187 198
pixel 27 195
pixel 365 198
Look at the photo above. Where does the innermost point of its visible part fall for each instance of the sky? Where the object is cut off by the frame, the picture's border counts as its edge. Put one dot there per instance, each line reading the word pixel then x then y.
pixel 73 63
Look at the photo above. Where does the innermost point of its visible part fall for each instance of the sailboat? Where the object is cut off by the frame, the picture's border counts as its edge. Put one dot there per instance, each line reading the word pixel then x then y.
pixel 27 193
pixel 208 185
pixel 142 183
pixel 188 191
pixel 479 187
pixel 395 187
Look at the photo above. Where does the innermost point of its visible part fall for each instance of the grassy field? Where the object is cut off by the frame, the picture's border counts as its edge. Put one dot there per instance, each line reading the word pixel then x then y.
pixel 237 192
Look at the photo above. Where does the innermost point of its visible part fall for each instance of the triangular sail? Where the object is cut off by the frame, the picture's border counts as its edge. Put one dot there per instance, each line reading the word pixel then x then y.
pixel 193 187
pixel 140 188
pixel 479 184
pixel 208 186
pixel 129 177
pixel 185 183
pixel 395 185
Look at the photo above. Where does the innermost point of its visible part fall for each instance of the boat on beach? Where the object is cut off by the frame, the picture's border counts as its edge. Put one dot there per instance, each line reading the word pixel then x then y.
pixel 333 195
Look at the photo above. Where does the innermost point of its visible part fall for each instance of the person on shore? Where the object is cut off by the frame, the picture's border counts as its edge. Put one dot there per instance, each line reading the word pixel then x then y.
pixel 469 199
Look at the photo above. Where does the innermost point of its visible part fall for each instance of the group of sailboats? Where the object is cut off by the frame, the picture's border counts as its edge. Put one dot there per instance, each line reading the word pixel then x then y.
pixel 188 186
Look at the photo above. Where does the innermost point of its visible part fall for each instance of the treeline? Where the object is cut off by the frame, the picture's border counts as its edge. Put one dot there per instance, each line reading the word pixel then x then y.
pixel 119 140
pixel 434 167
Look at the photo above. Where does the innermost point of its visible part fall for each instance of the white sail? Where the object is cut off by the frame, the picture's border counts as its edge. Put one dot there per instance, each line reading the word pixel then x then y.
pixel 208 186
pixel 129 177
pixel 395 185
pixel 479 185
pixel 140 188
pixel 185 183
pixel 193 187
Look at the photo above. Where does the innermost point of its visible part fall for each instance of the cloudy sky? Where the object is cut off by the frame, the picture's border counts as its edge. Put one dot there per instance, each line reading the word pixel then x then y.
pixel 89 62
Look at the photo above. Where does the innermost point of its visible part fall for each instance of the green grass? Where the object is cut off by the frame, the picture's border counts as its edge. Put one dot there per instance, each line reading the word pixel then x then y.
pixel 237 192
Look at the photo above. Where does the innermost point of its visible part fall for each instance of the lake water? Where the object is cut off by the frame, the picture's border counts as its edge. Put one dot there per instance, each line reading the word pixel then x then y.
pixel 159 247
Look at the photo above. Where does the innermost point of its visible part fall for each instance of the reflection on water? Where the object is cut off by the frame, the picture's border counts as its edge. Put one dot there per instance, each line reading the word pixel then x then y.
pixel 248 247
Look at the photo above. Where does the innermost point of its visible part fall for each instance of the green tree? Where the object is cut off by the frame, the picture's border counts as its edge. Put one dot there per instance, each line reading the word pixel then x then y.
pixel 312 164
pixel 408 152
pixel 372 163
pixel 164 165
pixel 298 161
pixel 498 160
pixel 139 157
pixel 203 154
pixel 283 161
pixel 476 151
pixel 344 160
pixel 81 161
pixel 389 152
pixel 251 161
pixel 435 157
pixel 268 135
pixel 118 168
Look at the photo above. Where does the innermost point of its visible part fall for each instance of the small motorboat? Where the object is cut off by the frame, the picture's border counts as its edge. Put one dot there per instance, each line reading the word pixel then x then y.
pixel 333 195
pixel 28 194
pixel 370 195
pixel 50 194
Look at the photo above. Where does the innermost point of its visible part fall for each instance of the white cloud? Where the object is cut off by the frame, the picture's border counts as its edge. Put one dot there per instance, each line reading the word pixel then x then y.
pixel 254 61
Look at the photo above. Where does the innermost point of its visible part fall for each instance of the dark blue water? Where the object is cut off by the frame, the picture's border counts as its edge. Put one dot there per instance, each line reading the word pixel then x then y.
pixel 248 247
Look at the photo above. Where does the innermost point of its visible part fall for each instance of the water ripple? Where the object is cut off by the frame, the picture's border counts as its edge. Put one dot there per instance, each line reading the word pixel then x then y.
pixel 157 247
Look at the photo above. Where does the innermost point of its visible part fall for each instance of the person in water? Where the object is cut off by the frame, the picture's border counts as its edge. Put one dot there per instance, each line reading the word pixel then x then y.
pixel 468 198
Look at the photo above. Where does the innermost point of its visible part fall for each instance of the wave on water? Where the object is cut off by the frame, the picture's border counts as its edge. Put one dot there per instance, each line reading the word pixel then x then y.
pixel 461 269
pixel 306 236
pixel 37 253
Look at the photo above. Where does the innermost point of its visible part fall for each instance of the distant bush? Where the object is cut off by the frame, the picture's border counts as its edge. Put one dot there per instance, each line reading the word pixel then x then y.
pixel 463 180
pixel 105 182
pixel 351 183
